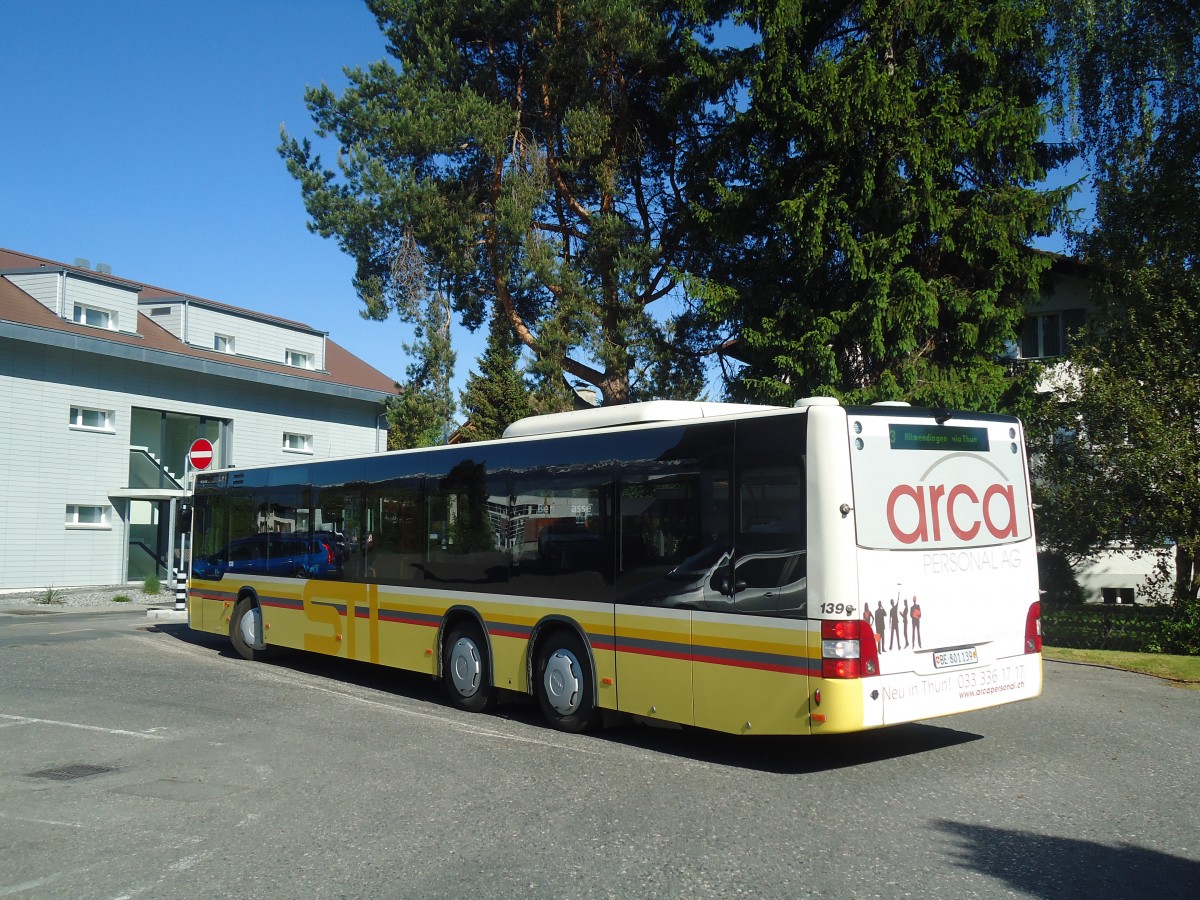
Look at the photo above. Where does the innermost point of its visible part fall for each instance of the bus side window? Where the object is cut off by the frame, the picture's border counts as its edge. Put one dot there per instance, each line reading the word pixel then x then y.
pixel 391 548
pixel 561 536
pixel 464 540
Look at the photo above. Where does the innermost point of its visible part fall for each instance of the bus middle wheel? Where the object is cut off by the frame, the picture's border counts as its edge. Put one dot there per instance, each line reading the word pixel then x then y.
pixel 564 684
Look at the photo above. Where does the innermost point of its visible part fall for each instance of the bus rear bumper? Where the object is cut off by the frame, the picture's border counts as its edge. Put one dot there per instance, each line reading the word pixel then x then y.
pixel 908 697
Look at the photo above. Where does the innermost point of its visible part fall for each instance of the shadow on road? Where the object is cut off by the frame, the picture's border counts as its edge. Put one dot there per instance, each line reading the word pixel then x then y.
pixel 792 755
pixel 783 755
pixel 1059 867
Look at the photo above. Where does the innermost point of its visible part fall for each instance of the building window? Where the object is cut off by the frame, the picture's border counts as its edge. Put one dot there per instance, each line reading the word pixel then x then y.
pixel 79 516
pixel 87 419
pixel 299 359
pixel 297 443
pixel 161 311
pixel 1048 334
pixel 223 343
pixel 97 318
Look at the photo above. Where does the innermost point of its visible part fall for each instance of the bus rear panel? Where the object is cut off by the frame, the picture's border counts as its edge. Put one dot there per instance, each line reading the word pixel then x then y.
pixel 927 583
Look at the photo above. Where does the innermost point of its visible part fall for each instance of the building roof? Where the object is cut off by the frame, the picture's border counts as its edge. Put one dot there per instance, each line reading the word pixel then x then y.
pixel 342 368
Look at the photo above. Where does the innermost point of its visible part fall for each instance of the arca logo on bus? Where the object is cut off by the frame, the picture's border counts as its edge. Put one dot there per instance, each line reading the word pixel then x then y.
pixel 923 513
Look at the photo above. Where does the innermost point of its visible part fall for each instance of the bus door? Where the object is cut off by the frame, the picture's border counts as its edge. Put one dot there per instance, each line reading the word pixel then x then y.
pixel 749 640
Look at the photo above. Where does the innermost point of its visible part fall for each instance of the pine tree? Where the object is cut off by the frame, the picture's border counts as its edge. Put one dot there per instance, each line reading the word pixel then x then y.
pixel 531 148
pixel 499 394
pixel 422 415
pixel 869 209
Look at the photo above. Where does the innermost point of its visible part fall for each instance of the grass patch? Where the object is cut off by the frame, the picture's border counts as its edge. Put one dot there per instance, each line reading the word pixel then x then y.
pixel 120 598
pixel 1185 669
pixel 151 585
pixel 50 596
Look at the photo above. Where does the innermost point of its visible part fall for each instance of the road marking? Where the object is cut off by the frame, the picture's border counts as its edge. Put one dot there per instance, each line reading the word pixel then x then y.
pixel 4 815
pixel 30 885
pixel 268 673
pixel 28 720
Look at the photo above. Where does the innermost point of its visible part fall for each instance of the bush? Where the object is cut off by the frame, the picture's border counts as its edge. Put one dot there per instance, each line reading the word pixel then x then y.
pixel 1181 628
pixel 151 585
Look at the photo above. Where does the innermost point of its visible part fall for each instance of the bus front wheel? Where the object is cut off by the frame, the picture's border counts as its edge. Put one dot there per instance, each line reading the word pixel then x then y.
pixel 465 669
pixel 564 684
pixel 246 630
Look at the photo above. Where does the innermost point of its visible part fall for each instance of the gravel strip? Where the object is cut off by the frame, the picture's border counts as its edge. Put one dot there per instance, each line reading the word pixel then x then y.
pixel 89 598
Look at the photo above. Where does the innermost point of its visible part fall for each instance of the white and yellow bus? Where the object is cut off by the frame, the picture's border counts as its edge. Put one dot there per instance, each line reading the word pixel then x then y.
pixel 751 570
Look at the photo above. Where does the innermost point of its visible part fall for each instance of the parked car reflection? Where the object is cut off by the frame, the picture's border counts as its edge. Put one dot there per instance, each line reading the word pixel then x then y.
pixel 286 555
pixel 767 583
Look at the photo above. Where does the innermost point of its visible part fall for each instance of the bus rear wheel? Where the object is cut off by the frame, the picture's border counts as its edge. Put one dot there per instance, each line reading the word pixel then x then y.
pixel 564 684
pixel 246 630
pixel 466 670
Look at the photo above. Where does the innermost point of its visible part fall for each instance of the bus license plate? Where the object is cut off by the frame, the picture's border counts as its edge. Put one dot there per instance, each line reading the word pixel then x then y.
pixel 946 658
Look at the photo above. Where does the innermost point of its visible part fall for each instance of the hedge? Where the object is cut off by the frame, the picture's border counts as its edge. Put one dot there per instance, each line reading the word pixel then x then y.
pixel 1135 628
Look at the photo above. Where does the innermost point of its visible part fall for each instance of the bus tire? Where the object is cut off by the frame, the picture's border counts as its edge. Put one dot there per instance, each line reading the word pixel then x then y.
pixel 246 630
pixel 564 684
pixel 466 669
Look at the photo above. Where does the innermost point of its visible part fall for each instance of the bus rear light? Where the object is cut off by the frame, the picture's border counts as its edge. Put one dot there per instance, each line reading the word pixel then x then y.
pixel 846 651
pixel 840 668
pixel 839 649
pixel 1033 629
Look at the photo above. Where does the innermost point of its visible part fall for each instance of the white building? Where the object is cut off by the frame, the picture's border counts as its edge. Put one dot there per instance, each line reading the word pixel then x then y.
pixel 105 384
pixel 1114 575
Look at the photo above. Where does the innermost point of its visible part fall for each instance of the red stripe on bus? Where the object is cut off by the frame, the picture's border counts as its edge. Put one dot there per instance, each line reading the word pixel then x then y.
pixel 503 632
pixel 646 651
pixel 750 664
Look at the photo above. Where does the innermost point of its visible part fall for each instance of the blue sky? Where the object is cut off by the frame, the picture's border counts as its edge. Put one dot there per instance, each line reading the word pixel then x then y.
pixel 143 134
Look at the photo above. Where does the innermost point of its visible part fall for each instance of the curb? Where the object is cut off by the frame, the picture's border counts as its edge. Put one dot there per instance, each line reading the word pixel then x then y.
pixel 167 615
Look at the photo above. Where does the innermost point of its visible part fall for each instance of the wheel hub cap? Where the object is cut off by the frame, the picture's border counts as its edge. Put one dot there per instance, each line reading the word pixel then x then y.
pixel 465 669
pixel 564 688
pixel 251 628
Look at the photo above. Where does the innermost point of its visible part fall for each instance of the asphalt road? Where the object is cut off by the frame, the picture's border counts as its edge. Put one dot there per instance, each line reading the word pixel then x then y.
pixel 142 760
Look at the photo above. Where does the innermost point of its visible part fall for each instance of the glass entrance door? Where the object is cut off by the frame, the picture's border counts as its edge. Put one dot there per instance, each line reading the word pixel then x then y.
pixel 149 539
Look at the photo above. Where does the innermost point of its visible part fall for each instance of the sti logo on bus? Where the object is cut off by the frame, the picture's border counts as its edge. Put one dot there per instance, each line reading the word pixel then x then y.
pixel 918 513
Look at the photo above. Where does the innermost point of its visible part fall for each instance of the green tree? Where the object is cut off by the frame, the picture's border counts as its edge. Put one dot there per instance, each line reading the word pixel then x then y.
pixel 1131 86
pixel 1128 81
pixel 421 416
pixel 870 208
pixel 531 148
pixel 499 394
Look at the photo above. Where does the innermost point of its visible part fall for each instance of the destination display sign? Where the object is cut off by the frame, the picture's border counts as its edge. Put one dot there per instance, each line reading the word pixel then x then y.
pixel 943 438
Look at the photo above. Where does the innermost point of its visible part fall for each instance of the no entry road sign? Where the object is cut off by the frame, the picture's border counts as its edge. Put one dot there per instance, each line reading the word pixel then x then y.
pixel 201 453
